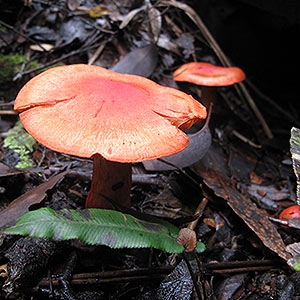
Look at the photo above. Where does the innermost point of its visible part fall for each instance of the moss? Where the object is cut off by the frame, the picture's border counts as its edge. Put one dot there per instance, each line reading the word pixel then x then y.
pixel 9 65
pixel 22 143
pixel 2 29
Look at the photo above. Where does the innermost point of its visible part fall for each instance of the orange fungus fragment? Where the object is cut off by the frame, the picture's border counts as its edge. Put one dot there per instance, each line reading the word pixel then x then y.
pixel 289 213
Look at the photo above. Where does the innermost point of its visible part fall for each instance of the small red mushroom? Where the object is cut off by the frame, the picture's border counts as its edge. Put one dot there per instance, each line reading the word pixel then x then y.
pixel 289 213
pixel 116 119
pixel 208 76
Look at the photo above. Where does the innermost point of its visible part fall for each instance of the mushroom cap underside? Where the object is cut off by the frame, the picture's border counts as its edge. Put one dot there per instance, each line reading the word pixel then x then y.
pixel 206 74
pixel 82 110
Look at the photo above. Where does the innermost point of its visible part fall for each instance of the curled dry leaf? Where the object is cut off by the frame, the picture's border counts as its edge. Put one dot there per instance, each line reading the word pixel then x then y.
pixel 126 19
pixel 199 144
pixel 155 21
pixel 187 238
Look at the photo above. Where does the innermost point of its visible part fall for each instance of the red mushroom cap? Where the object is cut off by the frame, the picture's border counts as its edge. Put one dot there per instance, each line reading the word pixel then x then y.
pixel 290 212
pixel 83 110
pixel 208 75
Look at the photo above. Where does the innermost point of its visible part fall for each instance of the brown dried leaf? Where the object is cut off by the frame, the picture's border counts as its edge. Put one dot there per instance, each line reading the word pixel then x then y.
pixel 20 206
pixel 6 171
pixel 155 21
pixel 130 16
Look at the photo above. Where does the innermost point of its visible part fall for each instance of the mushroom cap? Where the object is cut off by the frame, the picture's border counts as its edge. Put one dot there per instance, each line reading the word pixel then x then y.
pixel 208 75
pixel 83 110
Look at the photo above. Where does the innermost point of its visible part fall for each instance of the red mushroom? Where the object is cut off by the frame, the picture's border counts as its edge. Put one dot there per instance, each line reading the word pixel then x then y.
pixel 289 213
pixel 116 119
pixel 208 75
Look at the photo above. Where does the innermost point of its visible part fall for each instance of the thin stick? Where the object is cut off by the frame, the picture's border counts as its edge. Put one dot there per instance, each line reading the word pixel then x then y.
pixel 8 112
pixel 198 213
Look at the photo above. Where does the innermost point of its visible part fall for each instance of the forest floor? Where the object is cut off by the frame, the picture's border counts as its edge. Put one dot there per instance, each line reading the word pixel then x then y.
pixel 233 194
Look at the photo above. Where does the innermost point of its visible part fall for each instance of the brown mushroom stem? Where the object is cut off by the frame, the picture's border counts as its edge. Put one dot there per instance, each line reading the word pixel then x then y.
pixel 208 95
pixel 111 179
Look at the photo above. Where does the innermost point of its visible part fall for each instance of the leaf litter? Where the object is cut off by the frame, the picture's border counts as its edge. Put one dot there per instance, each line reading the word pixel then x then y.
pixel 153 39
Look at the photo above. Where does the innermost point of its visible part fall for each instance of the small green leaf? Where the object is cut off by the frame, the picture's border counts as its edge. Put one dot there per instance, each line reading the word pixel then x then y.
pixel 200 247
pixel 97 227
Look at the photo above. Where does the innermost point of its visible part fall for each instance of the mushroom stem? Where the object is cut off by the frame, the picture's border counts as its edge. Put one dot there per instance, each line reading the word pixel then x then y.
pixel 112 179
pixel 208 95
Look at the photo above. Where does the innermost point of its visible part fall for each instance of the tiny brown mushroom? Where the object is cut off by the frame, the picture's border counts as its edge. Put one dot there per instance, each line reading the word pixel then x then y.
pixel 187 238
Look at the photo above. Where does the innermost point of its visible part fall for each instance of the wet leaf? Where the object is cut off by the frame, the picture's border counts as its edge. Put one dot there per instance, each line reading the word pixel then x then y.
pixel 97 227
pixel 267 194
pixel 72 5
pixel 294 222
pixel 73 29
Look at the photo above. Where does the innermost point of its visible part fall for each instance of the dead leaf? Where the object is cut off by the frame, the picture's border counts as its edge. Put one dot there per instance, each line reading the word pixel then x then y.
pixel 20 206
pixel 198 146
pixel 214 171
pixel 229 286
pixel 267 194
pixel 6 171
pixel 130 16
pixel 72 5
pixel 294 262
pixel 155 21
pixel 140 61
pixel 294 223
pixel 98 11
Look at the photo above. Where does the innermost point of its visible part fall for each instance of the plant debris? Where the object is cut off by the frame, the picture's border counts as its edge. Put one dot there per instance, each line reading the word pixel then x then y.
pixel 228 188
